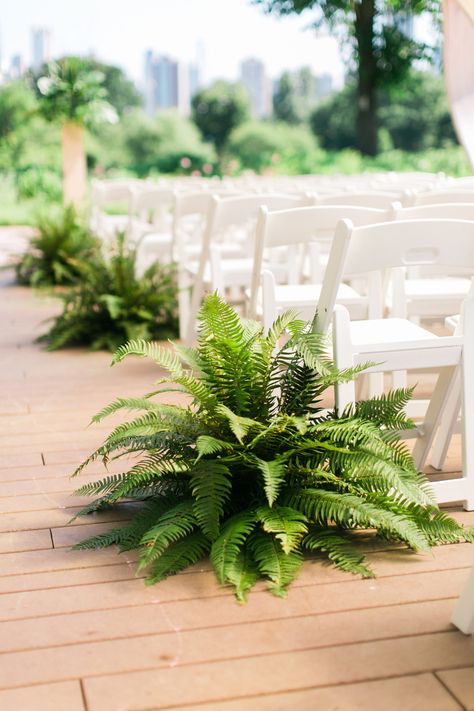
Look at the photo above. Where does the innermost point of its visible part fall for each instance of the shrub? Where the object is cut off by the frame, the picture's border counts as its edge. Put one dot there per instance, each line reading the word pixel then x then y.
pixel 54 256
pixel 111 304
pixel 34 182
pixel 254 472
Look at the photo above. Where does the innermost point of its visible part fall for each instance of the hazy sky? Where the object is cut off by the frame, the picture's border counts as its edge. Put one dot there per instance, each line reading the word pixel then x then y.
pixel 119 31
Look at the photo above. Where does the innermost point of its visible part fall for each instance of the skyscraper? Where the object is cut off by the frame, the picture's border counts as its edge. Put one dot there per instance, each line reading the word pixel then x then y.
pixel 257 84
pixel 40 46
pixel 167 84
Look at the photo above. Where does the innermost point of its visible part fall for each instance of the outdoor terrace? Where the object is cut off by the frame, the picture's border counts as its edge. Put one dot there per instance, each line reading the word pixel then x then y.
pixel 80 631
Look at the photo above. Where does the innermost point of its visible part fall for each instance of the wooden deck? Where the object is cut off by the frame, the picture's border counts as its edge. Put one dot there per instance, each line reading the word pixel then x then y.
pixel 80 631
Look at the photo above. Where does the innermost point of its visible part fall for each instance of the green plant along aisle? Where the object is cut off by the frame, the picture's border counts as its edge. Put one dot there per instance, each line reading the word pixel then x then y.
pixel 254 472
pixel 111 303
pixel 54 255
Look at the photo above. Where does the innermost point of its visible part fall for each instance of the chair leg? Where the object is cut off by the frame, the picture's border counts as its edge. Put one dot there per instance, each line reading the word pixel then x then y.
pixel 447 426
pixel 467 408
pixel 343 357
pixel 463 615
pixel 433 415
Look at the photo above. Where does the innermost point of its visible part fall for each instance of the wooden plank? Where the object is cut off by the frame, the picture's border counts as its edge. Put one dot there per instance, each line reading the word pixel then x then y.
pixel 44 697
pixel 333 597
pixel 410 693
pixel 178 685
pixel 25 541
pixel 335 628
pixel 171 648
pixel 461 684
pixel 41 561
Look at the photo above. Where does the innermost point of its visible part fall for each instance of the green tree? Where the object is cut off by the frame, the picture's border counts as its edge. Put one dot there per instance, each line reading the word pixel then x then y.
pixel 415 117
pixel 122 93
pixel 294 96
pixel 217 110
pixel 17 105
pixel 74 95
pixel 382 52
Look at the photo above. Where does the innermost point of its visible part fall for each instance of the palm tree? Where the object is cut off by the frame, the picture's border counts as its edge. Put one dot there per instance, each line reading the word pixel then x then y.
pixel 74 94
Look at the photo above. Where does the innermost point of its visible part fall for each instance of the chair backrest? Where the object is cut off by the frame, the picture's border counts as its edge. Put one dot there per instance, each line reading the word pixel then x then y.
pixel 375 248
pixel 149 200
pixel 301 225
pixel 376 199
pixel 450 211
pixel 443 196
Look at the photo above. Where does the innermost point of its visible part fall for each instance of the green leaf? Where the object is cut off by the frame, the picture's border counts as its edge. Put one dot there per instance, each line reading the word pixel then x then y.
pixel 228 545
pixel 179 556
pixel 339 550
pixel 205 444
pixel 273 477
pixel 279 567
pixel 169 528
pixel 239 425
pixel 211 488
pixel 242 573
pixel 288 525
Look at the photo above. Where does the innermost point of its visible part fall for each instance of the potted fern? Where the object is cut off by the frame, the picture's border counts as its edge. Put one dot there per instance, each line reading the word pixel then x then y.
pixel 253 472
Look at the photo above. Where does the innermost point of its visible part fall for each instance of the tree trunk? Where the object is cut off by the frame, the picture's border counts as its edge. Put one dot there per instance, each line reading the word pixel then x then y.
pixel 74 164
pixel 366 122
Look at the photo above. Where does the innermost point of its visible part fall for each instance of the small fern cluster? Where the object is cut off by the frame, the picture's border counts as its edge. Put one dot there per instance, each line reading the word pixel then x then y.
pixel 53 255
pixel 254 472
pixel 111 303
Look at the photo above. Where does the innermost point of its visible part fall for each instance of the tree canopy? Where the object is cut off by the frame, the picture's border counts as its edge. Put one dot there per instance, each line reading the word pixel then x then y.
pixel 382 48
pixel 218 109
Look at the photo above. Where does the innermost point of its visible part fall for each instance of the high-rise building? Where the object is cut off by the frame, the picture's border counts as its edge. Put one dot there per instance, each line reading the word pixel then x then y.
pixel 258 86
pixel 17 67
pixel 323 86
pixel 167 84
pixel 40 46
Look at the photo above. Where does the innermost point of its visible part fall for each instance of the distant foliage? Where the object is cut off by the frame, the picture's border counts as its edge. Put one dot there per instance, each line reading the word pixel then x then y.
pixel 415 116
pixel 55 254
pixel 253 472
pixel 218 109
pixel 111 303
pixel 72 91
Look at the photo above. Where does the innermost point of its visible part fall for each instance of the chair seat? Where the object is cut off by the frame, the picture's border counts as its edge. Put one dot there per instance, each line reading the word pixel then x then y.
pixel 443 287
pixel 396 334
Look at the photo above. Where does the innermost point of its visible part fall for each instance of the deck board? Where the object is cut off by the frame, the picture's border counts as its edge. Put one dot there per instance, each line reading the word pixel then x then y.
pixel 81 631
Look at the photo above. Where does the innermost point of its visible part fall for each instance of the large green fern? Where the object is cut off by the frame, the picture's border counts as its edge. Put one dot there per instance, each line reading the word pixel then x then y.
pixel 254 472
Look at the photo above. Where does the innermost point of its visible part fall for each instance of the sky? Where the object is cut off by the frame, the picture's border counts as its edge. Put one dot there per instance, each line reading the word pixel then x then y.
pixel 119 32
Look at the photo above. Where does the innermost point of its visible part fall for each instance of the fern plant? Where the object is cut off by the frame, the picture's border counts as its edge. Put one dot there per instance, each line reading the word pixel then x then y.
pixel 54 254
pixel 112 304
pixel 253 472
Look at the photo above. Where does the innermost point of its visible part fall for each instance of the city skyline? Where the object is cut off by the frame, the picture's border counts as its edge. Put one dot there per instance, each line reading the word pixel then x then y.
pixel 224 34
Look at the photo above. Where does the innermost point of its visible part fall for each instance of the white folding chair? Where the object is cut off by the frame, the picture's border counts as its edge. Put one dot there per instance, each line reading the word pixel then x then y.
pixel 295 228
pixel 426 292
pixel 377 199
pixel 398 344
pixel 234 215
pixel 463 615
pixel 112 196
pixel 442 196
pixel 151 219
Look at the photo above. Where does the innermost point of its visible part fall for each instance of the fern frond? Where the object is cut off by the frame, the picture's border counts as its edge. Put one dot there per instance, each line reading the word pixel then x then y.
pixel 205 444
pixel 279 567
pixel 288 525
pixel 162 356
pixel 228 545
pixel 171 526
pixel 130 403
pixel 179 556
pixel 211 487
pixel 347 510
pixel 239 425
pixel 343 554
pixel 273 477
pixel 242 573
